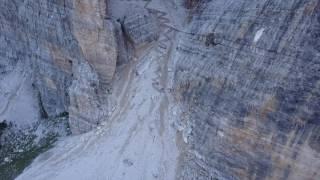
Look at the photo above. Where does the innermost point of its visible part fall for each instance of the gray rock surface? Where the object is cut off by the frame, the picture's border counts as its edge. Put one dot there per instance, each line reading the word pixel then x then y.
pixel 96 37
pixel 252 99
pixel 55 40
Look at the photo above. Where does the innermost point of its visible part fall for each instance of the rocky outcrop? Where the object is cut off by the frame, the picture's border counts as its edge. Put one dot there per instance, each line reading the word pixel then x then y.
pixel 251 101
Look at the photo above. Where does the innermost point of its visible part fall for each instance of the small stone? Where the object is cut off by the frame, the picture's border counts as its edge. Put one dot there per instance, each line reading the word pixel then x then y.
pixel 128 162
pixel 6 159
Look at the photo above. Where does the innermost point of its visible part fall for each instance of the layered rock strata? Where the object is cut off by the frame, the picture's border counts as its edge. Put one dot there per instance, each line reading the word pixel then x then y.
pixel 251 99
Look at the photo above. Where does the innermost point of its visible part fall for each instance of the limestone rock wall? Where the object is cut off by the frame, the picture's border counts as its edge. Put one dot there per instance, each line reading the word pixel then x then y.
pixel 56 40
pixel 37 33
pixel 251 97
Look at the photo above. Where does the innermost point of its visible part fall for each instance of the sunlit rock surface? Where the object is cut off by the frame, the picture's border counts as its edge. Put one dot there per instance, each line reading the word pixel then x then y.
pixel 97 39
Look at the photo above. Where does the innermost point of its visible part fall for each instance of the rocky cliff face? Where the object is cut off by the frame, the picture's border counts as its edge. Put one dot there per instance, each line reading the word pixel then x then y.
pixel 62 43
pixel 240 79
pixel 57 59
pixel 251 93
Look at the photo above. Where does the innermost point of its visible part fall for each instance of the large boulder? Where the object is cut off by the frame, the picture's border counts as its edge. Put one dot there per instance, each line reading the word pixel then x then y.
pixel 140 26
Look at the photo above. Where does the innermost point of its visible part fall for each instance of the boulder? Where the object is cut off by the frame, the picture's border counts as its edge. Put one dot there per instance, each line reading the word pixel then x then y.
pixel 140 26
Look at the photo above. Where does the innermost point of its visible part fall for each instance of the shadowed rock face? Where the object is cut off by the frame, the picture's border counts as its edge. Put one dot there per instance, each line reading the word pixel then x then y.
pixel 38 34
pixel 55 40
pixel 190 4
pixel 252 101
